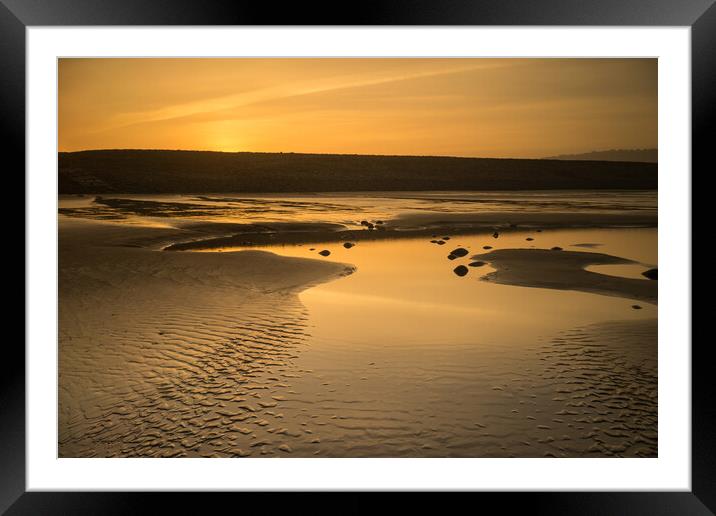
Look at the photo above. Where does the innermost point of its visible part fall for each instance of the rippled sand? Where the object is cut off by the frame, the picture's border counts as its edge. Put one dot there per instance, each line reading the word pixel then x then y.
pixel 375 351
pixel 168 354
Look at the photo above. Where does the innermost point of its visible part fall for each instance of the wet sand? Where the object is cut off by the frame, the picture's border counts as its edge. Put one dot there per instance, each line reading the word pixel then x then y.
pixel 564 270
pixel 404 226
pixel 149 347
pixel 379 350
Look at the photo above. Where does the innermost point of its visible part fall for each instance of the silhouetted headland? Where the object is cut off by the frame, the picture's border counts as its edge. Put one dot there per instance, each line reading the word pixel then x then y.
pixel 638 155
pixel 173 171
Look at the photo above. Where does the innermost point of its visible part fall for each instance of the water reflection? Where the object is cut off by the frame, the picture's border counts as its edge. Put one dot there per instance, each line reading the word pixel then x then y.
pixel 408 359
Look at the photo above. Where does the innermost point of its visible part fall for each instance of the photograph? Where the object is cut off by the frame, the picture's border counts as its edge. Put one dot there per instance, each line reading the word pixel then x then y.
pixel 357 257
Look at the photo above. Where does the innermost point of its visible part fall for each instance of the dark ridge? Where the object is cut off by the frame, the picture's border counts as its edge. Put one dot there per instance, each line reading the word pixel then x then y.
pixel 637 155
pixel 173 171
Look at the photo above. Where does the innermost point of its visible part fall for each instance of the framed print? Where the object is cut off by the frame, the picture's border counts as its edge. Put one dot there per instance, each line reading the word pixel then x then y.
pixel 419 249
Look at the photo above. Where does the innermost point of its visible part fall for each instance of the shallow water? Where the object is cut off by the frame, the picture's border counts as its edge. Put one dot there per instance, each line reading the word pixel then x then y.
pixel 402 358
pixel 408 359
pixel 348 208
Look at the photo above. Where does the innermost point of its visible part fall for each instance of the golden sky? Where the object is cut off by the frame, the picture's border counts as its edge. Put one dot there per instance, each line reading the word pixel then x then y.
pixel 453 107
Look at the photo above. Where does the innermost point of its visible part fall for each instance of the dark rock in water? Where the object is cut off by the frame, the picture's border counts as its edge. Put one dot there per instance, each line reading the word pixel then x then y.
pixel 451 257
pixel 348 245
pixel 476 264
pixel 433 241
pixel 440 242
pixel 446 238
pixel 636 307
pixel 312 249
pixel 555 248
pixel 529 239
pixel 364 222
pixel 379 222
pixel 460 270
pixel 495 234
pixel 459 252
pixel 369 226
pixel 325 252
pixel 651 274
pixel 487 247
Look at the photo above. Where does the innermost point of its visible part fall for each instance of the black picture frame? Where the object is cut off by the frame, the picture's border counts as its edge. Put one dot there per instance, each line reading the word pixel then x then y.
pixel 17 15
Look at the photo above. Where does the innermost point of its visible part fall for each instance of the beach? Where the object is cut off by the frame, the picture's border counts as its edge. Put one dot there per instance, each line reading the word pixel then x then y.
pixel 210 326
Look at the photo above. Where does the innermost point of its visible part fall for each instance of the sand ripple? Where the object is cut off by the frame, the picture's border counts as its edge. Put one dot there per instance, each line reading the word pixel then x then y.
pixel 175 355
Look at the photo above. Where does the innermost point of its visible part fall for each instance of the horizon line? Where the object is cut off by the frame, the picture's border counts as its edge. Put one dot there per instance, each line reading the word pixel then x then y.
pixel 553 156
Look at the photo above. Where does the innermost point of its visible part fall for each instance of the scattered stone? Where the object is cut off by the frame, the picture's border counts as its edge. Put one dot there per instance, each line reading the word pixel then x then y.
pixel 440 242
pixel 460 270
pixel 348 245
pixel 379 222
pixel 651 274
pixel 433 241
pixel 495 234
pixel 325 252
pixel 487 247
pixel 312 249
pixel 364 222
pixel 446 238
pixel 556 248
pixel 636 307
pixel 451 257
pixel 459 252
pixel 476 264
pixel 529 239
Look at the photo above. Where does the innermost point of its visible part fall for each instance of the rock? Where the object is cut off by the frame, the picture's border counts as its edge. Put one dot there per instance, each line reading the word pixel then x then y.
pixel 459 252
pixel 364 222
pixel 440 242
pixel 325 252
pixel 539 231
pixel 460 270
pixel 529 239
pixel 651 274
pixel 379 222
pixel 451 257
pixel 636 307
pixel 312 249
pixel 555 248
pixel 446 238
pixel 495 234
pixel 487 247
pixel 348 245
pixel 380 228
pixel 433 241
pixel 476 264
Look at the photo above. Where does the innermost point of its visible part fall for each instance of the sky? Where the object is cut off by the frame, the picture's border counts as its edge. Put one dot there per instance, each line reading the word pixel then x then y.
pixel 409 106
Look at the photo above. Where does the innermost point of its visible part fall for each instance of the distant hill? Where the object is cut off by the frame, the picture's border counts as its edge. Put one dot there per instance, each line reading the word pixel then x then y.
pixel 640 155
pixel 168 171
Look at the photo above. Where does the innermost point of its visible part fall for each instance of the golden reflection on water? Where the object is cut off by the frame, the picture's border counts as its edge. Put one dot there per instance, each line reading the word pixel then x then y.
pixel 404 291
